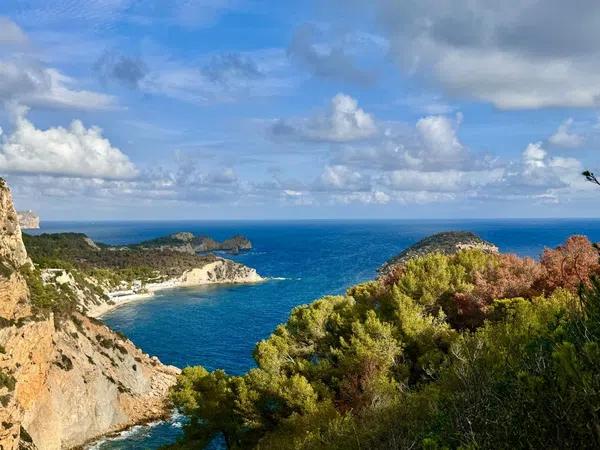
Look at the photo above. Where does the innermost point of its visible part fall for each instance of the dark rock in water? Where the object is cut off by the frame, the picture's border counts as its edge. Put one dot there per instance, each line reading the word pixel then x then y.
pixel 447 242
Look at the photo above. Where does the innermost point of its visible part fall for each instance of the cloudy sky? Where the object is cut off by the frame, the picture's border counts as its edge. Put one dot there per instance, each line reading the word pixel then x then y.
pixel 235 109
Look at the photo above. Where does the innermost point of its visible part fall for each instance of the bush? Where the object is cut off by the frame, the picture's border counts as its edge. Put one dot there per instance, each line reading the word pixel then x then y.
pixel 465 351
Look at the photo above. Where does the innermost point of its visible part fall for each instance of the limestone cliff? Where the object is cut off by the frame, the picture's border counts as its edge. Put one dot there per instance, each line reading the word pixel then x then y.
pixel 220 271
pixel 28 219
pixel 64 378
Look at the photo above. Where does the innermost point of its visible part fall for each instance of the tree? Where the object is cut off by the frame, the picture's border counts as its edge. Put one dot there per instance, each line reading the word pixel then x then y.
pixel 590 177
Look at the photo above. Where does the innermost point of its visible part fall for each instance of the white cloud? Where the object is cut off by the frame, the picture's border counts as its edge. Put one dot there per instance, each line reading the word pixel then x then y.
pixel 540 173
pixel 25 79
pixel 344 122
pixel 11 33
pixel 75 151
pixel 441 181
pixel 342 178
pixel 439 137
pixel 534 155
pixel 564 137
pixel 515 54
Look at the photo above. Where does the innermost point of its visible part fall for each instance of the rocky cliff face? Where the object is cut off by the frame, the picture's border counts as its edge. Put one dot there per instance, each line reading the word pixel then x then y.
pixel 28 220
pixel 64 380
pixel 221 271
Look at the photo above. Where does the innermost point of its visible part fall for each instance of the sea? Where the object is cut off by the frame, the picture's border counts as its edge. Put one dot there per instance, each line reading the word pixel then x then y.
pixel 218 326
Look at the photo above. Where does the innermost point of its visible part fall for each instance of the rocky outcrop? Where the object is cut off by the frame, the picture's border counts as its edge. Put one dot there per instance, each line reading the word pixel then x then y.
pixel 65 379
pixel 221 271
pixel 28 220
pixel 448 242
pixel 184 241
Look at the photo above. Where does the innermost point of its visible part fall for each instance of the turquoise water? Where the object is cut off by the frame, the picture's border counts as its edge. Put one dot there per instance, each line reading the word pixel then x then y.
pixel 219 326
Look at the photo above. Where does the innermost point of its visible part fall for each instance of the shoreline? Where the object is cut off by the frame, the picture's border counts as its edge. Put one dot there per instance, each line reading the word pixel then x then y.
pixel 153 288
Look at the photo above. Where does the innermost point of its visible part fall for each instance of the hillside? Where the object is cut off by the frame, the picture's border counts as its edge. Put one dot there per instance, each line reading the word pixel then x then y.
pixel 102 276
pixel 455 348
pixel 64 378
pixel 447 243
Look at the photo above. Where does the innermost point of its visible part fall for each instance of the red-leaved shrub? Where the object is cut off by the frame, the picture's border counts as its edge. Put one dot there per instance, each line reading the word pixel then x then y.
pixel 569 265
pixel 506 276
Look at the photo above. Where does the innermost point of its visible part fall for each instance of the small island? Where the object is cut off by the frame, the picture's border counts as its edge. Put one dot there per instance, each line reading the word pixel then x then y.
pixel 187 242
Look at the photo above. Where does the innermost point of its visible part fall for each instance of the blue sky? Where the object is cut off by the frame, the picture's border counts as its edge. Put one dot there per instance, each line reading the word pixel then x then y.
pixel 242 109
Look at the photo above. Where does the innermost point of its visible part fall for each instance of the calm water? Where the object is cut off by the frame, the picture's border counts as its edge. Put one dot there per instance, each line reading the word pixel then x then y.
pixel 218 327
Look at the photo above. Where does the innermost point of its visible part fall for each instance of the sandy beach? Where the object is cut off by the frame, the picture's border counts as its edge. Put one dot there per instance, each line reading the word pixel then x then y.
pixel 193 278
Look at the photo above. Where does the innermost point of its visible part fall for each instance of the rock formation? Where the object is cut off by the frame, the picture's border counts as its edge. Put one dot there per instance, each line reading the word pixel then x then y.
pixel 220 271
pixel 64 378
pixel 187 242
pixel 448 242
pixel 28 219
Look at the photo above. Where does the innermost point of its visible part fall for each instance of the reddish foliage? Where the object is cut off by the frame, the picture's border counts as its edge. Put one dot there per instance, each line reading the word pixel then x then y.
pixel 393 275
pixel 569 265
pixel 508 276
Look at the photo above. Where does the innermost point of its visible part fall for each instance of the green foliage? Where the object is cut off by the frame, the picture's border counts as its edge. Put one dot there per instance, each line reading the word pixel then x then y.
pixel 383 367
pixel 112 265
pixel 45 298
pixel 7 381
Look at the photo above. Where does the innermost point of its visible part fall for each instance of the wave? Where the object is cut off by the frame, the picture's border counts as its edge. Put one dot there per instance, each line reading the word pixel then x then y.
pixel 283 279
pixel 175 421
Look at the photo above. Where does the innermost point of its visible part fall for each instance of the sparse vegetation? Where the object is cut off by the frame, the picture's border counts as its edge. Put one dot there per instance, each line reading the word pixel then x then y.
pixel 7 381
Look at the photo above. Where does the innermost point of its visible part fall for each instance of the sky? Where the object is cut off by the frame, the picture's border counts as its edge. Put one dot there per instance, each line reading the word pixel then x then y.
pixel 331 109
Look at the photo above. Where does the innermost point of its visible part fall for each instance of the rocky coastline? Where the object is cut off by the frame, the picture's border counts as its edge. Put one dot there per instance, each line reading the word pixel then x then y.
pixel 222 271
pixel 65 378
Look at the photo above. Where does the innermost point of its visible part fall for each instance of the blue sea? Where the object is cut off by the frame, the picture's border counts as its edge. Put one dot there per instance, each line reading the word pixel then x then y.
pixel 218 327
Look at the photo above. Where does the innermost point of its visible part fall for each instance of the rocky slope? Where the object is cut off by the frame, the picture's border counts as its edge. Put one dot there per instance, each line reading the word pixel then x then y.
pixel 448 242
pixel 64 378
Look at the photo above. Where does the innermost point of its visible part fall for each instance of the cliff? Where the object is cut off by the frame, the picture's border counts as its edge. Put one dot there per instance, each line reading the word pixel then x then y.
pixel 28 219
pixel 448 242
pixel 64 378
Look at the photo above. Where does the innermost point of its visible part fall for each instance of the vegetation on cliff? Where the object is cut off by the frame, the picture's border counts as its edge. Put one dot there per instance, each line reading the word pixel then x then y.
pixel 75 251
pixel 471 350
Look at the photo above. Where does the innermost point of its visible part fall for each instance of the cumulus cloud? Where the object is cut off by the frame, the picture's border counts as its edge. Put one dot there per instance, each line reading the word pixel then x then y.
pixel 514 54
pixel 564 137
pixel 440 141
pixel 344 122
pixel 75 151
pixel 25 79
